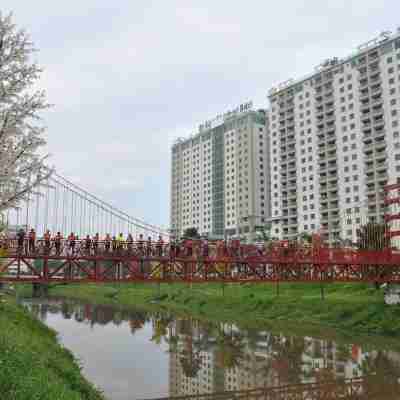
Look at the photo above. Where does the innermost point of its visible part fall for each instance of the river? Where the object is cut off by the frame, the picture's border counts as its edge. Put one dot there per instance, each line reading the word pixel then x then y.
pixel 134 354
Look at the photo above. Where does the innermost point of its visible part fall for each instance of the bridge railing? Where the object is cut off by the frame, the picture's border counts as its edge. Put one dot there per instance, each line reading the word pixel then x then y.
pixel 221 251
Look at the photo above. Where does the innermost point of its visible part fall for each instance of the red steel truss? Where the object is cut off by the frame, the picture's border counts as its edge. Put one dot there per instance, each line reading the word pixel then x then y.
pixel 132 262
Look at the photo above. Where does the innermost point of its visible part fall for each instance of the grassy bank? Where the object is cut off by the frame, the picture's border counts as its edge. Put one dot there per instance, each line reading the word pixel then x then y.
pixel 352 309
pixel 32 363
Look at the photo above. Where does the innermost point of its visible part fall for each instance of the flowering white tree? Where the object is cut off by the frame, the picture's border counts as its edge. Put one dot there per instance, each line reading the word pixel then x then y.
pixel 22 167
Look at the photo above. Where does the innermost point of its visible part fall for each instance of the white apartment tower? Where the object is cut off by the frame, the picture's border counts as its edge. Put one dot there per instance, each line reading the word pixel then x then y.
pixel 335 143
pixel 220 176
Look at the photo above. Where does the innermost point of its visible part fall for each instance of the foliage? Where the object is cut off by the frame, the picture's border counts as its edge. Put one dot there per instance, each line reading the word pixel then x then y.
pixel 33 364
pixel 263 232
pixel 305 238
pixel 22 167
pixel 191 233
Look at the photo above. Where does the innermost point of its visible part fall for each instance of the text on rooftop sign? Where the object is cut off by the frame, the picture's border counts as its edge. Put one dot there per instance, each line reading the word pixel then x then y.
pixel 221 118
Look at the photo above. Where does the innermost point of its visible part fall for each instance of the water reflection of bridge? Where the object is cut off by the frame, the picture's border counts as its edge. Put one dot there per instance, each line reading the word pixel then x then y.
pixel 347 390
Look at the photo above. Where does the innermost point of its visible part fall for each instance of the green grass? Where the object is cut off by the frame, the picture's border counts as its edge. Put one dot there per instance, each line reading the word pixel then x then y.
pixel 33 366
pixel 350 308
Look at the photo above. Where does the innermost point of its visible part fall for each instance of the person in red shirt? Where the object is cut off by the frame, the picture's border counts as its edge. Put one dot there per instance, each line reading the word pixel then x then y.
pixel 189 247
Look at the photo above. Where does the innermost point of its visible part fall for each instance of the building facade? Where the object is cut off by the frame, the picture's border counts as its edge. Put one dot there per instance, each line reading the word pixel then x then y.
pixel 335 143
pixel 220 176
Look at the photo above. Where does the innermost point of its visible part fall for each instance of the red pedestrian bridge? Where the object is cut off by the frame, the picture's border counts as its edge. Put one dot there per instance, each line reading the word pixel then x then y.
pixel 164 262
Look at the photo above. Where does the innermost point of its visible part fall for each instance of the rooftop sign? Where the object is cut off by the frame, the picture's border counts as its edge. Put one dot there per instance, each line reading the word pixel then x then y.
pixel 221 118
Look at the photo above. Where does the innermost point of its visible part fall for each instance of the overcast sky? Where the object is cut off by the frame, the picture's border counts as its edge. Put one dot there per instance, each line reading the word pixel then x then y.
pixel 126 77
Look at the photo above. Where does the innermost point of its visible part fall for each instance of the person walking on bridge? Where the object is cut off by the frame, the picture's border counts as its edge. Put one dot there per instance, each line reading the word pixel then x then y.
pixel 149 247
pixel 188 244
pixel 57 242
pixel 114 244
pixel 71 243
pixel 107 243
pixel 88 245
pixel 129 241
pixel 47 242
pixel 31 241
pixel 140 245
pixel 20 240
pixel 205 248
pixel 121 241
pixel 96 239
pixel 160 246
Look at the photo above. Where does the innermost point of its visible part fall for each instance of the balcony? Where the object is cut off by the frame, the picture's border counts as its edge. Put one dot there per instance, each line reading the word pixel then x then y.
pixel 367 138
pixel 365 107
pixel 370 179
pixel 370 167
pixel 364 95
pixel 363 83
pixel 368 147
pixel 366 119
pixel 379 124
pixel 376 89
pixel 377 112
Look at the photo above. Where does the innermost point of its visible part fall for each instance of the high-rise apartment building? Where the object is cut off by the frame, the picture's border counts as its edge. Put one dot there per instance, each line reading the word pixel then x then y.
pixel 220 176
pixel 335 143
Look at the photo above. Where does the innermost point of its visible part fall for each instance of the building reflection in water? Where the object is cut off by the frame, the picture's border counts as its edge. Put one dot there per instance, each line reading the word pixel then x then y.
pixel 210 357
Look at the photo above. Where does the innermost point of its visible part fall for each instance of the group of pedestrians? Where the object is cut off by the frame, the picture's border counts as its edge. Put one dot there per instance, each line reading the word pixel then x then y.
pixel 56 243
pixel 88 245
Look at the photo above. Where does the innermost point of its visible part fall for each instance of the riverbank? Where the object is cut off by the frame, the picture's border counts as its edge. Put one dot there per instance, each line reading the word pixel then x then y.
pixel 33 365
pixel 350 308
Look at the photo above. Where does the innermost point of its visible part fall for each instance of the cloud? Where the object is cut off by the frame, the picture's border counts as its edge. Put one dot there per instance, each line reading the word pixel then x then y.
pixel 129 77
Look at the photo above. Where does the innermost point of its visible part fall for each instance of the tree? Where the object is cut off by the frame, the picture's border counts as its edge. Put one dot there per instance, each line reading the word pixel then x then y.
pixel 22 168
pixel 191 233
pixel 305 238
pixel 263 232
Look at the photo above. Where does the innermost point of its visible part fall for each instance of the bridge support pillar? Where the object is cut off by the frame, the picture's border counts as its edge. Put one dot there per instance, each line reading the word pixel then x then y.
pixel 40 289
